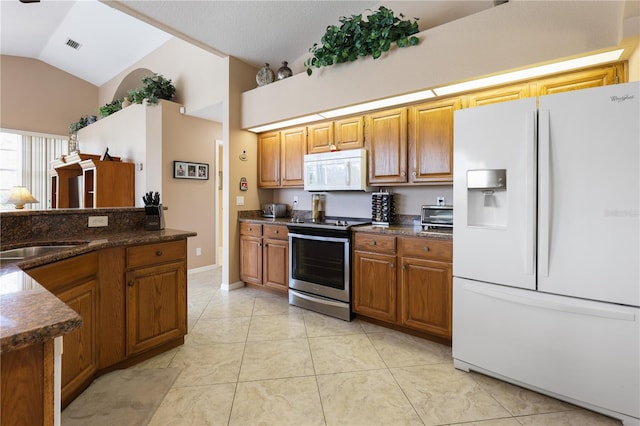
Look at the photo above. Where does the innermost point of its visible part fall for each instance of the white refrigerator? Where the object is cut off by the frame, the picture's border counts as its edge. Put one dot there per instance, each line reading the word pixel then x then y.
pixel 546 253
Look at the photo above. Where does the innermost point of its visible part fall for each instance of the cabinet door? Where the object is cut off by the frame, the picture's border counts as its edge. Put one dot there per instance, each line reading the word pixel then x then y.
pixel 426 296
pixel 431 141
pixel 584 79
pixel 156 306
pixel 79 360
pixel 349 132
pixel 386 139
pixel 269 160
pixel 500 94
pixel 293 148
pixel 374 285
pixel 276 264
pixel 251 259
pixel 320 137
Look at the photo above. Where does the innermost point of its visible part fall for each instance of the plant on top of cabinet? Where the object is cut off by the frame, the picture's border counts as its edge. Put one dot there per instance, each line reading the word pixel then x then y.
pixel 110 108
pixel 154 88
pixel 357 37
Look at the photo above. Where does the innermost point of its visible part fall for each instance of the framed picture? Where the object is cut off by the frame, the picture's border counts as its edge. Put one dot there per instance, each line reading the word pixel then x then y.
pixel 188 170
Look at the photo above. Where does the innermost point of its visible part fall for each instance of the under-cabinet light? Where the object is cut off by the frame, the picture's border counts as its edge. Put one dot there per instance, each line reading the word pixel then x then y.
pixel 287 123
pixel 528 73
pixel 381 103
pixel 509 77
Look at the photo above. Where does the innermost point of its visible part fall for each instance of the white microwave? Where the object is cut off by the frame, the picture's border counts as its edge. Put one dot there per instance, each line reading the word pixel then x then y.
pixel 336 171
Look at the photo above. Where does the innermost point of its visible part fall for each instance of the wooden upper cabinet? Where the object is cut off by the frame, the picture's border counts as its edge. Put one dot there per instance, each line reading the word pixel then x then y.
pixel 320 137
pixel 584 79
pixel 386 140
pixel 499 94
pixel 269 160
pixel 293 148
pixel 349 132
pixel 431 141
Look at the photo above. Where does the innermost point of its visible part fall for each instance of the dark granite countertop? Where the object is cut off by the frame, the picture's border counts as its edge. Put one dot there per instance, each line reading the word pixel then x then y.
pixel 28 312
pixel 406 230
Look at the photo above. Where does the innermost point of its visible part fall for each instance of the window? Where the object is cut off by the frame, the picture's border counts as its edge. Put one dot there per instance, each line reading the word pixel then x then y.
pixel 24 160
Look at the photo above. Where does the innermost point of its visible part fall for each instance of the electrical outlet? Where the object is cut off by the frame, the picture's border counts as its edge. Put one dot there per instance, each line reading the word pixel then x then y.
pixel 97 221
pixel 440 201
pixel 198 251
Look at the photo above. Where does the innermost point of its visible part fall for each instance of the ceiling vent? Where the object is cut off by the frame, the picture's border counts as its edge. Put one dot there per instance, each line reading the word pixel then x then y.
pixel 74 44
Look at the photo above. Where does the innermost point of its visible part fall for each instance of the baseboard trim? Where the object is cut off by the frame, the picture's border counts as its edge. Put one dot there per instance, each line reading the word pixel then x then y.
pixel 233 286
pixel 202 269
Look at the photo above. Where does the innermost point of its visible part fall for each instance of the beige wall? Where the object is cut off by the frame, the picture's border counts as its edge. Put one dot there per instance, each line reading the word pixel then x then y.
pixel 198 75
pixel 191 202
pixel 37 97
pixel 515 35
pixel 241 78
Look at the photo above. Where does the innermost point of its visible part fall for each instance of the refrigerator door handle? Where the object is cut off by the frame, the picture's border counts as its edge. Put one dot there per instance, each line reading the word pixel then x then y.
pixel 544 199
pixel 530 194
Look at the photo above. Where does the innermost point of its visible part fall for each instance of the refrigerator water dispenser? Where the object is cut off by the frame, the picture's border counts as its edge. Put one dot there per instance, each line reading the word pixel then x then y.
pixel 487 197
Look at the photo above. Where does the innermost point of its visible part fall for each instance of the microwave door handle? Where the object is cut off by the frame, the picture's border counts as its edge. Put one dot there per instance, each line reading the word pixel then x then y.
pixel 348 174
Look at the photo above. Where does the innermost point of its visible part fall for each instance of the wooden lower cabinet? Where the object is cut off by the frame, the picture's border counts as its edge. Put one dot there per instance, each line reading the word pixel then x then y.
pixel 133 304
pixel 26 384
pixel 416 294
pixel 156 306
pixel 374 285
pixel 74 281
pixel 264 256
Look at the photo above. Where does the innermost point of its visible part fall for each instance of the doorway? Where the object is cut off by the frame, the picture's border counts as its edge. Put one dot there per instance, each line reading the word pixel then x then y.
pixel 219 210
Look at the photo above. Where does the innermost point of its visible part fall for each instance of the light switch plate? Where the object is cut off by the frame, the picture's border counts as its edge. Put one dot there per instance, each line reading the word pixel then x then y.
pixel 97 221
pixel 239 200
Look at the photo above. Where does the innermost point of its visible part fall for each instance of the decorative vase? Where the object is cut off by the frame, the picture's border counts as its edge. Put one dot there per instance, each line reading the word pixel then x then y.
pixel 73 143
pixel 284 71
pixel 265 75
pixel 126 102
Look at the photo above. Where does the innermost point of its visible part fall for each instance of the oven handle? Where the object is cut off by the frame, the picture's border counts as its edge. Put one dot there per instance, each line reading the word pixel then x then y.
pixel 318 238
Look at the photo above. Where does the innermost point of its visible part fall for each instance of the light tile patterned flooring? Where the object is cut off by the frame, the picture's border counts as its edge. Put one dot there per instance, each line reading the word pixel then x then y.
pixel 251 359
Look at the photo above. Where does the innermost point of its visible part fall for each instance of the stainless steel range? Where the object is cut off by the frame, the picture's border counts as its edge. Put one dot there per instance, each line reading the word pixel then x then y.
pixel 319 265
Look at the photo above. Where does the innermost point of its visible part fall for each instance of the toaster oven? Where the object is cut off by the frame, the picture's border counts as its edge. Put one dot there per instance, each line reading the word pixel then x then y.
pixel 274 210
pixel 437 216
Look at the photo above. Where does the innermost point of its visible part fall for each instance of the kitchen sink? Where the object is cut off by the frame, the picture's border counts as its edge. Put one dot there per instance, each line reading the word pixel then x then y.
pixel 23 252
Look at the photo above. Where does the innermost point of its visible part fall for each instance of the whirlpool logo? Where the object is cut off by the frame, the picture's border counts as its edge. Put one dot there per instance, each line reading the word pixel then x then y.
pixel 621 98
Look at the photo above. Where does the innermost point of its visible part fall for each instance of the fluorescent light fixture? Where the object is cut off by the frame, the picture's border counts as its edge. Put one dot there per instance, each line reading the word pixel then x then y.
pixel 287 123
pixel 530 72
pixel 381 103
pixel 495 80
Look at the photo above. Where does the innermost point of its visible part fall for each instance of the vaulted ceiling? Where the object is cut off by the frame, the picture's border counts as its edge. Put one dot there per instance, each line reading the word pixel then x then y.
pixel 111 39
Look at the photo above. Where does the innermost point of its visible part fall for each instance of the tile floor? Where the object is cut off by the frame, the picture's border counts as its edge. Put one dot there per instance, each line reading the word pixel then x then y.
pixel 251 359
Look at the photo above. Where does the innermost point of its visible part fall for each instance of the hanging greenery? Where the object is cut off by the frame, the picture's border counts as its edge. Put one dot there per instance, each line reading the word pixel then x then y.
pixel 357 37
pixel 110 108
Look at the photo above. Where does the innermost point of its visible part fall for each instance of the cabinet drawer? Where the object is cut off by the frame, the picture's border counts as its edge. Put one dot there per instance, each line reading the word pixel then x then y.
pixel 375 242
pixel 151 254
pixel 277 232
pixel 425 248
pixel 57 276
pixel 253 229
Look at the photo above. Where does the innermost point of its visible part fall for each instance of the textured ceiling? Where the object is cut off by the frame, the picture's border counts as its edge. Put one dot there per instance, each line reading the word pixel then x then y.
pixel 253 31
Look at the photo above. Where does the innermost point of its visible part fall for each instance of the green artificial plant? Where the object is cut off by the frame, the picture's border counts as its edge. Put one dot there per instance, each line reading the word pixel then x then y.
pixel 77 125
pixel 110 108
pixel 357 37
pixel 154 88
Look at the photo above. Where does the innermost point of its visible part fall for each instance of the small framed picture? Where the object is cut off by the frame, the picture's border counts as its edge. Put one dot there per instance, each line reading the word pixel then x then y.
pixel 188 170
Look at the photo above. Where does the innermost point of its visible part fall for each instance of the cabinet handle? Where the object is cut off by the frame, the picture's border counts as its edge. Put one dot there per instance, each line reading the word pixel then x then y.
pixel 403 174
pixel 130 283
pixel 250 229
pixel 159 253
pixel 426 248
pixel 414 174
pixel 404 267
pixel 372 243
pixel 276 231
pixel 393 265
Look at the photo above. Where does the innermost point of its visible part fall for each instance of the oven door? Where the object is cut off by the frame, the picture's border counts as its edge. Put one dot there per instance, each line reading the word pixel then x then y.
pixel 320 265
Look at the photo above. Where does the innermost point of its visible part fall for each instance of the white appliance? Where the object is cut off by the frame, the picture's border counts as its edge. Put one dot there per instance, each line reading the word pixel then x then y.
pixel 546 260
pixel 336 171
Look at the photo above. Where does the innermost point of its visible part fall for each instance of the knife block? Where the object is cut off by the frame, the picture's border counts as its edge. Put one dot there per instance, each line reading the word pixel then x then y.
pixel 154 219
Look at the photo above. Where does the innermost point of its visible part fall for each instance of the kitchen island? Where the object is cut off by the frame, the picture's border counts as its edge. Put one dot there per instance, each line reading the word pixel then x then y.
pixel 101 289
